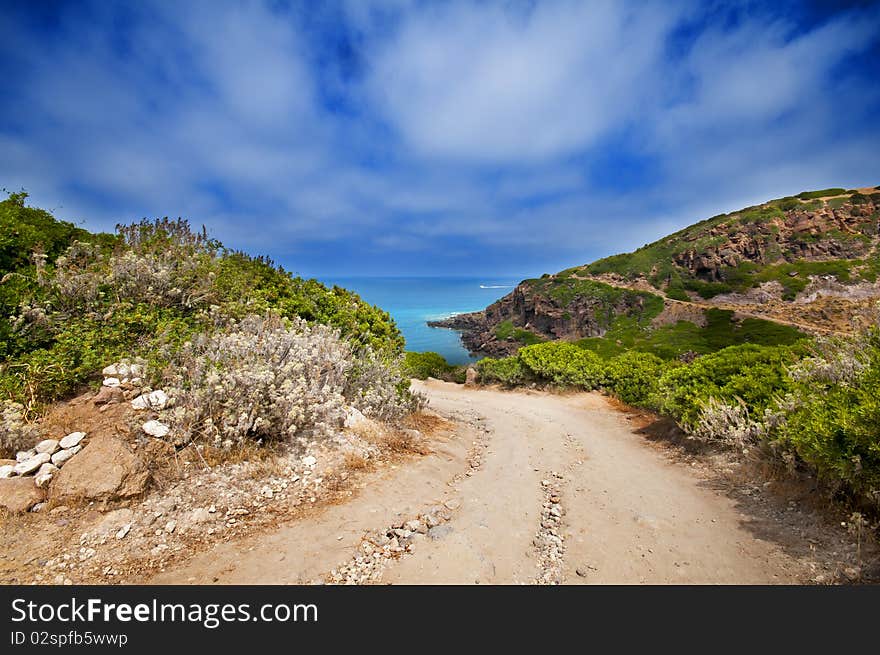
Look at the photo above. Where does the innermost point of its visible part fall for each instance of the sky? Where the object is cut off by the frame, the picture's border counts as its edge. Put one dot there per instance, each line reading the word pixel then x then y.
pixel 434 138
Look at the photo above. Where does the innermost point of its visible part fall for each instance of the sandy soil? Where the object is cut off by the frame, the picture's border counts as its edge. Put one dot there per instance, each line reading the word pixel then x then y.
pixel 630 511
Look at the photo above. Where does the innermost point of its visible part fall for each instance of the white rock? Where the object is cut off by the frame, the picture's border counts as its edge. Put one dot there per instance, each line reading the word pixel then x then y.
pixel 354 418
pixel 72 439
pixel 111 382
pixel 170 526
pixel 110 371
pixel 136 371
pixel 123 531
pixel 309 461
pixel 44 475
pixel 31 465
pixel 199 515
pixel 24 455
pixel 155 429
pixel 266 492
pixel 47 446
pixel 157 399
pixel 7 471
pixel 63 455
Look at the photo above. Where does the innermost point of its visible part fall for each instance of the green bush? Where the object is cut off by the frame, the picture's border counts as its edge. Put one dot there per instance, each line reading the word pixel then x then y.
pixel 633 377
pixel 425 365
pixel 508 371
pixel 563 364
pixel 71 302
pixel 831 416
pixel 822 193
pixel 750 373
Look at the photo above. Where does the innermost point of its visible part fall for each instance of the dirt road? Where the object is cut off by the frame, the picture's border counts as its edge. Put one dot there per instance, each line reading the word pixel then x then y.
pixel 627 513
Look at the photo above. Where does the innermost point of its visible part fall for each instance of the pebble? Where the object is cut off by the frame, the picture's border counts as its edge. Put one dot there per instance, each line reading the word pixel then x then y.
pixel 48 446
pixel 72 439
pixel 111 382
pixel 31 465
pixel 156 429
pixel 120 534
pixel 63 455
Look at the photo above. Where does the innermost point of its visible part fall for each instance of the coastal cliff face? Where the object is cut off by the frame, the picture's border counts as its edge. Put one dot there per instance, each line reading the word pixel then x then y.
pixel 549 308
pixel 778 260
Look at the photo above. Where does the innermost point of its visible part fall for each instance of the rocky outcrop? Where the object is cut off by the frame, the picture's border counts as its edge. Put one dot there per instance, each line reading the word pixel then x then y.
pixel 20 494
pixel 825 233
pixel 106 470
pixel 549 308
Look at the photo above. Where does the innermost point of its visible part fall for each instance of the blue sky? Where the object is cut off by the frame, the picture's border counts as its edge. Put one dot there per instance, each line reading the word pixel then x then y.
pixel 485 138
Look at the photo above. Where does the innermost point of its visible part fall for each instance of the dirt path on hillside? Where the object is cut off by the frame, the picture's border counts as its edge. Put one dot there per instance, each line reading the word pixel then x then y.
pixel 535 487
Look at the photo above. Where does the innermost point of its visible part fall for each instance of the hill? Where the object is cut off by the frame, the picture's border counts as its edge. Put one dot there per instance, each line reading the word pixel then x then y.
pixel 767 274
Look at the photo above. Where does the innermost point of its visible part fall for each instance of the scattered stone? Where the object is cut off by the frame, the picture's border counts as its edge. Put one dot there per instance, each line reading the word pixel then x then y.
pixel 47 446
pixel 415 526
pixel 309 460
pixel 44 475
pixel 72 439
pixel 18 495
pixel 170 526
pixel 106 470
pixel 440 531
pixel 157 400
pixel 354 418
pixel 33 464
pixel 7 471
pixel 472 377
pixel 431 520
pixel 156 429
pixel 110 371
pixel 199 515
pixel 38 507
pixel 108 396
pixel 24 455
pixel 62 456
pixel 111 382
pixel 124 530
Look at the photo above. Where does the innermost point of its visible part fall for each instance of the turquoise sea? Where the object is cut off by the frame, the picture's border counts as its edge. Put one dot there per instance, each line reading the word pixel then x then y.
pixel 412 301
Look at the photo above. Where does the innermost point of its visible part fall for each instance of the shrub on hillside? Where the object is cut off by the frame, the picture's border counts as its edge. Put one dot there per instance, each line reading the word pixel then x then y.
pixel 508 371
pixel 426 365
pixel 269 379
pixel 727 424
pixel 633 377
pixel 563 364
pixel 15 432
pixel 831 416
pixel 752 374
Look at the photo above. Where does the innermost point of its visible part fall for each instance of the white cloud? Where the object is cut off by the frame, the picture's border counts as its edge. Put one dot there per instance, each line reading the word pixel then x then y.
pixel 490 83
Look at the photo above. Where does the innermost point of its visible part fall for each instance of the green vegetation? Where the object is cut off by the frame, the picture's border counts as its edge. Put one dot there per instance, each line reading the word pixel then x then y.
pixel 506 330
pixel 822 193
pixel 673 341
pixel 72 301
pixel 664 263
pixel 431 365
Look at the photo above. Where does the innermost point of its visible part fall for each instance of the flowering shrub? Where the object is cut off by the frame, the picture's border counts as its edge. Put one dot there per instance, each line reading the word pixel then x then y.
pixel 15 433
pixel 727 424
pixel 271 379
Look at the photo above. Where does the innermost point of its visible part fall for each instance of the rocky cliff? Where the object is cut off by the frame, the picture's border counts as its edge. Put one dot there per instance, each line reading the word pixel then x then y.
pixel 786 253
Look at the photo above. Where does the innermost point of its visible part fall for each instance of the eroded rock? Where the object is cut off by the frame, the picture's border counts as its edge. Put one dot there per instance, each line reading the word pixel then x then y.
pixel 108 469
pixel 18 495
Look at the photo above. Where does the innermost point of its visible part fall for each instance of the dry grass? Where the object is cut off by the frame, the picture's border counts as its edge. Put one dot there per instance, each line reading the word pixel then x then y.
pixel 355 461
